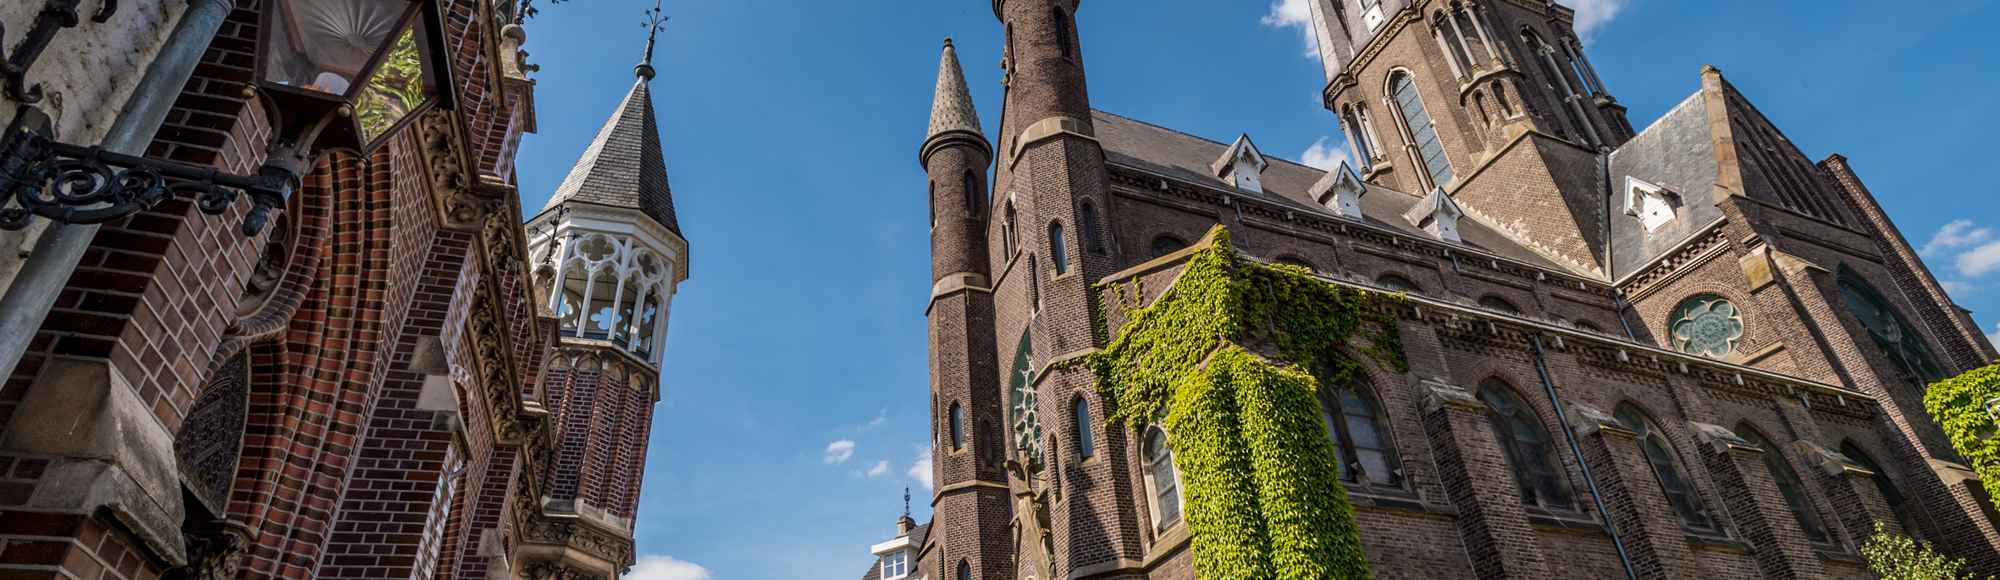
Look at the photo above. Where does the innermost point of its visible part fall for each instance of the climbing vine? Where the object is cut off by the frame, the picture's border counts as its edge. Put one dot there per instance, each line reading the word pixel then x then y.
pixel 1230 359
pixel 1960 404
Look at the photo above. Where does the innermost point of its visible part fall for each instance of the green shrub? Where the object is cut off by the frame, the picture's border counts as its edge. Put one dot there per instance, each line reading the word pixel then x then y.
pixel 1896 557
pixel 1959 404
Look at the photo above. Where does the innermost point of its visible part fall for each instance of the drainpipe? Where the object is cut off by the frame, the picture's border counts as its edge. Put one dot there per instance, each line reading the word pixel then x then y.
pixel 1570 434
pixel 61 247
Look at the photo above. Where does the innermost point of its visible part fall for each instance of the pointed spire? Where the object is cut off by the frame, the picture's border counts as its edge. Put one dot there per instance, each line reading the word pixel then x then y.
pixel 952 114
pixel 625 166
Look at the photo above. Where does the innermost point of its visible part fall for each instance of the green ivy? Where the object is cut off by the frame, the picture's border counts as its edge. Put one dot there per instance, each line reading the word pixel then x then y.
pixel 1220 360
pixel 1959 404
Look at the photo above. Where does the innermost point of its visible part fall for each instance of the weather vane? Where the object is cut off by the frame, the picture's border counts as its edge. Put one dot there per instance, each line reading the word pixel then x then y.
pixel 906 502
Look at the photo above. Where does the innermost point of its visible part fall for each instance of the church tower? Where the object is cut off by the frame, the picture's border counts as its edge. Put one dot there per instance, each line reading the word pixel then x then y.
pixel 967 407
pixel 608 257
pixel 1433 96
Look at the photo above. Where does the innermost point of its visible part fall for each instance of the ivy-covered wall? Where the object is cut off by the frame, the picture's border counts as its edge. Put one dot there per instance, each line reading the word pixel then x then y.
pixel 1959 404
pixel 1230 360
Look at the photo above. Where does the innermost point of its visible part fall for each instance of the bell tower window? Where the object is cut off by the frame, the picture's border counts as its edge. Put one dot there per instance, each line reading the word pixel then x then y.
pixel 1422 134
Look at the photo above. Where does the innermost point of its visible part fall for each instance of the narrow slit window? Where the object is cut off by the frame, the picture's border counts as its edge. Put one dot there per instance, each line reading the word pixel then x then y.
pixel 1086 448
pixel 1062 33
pixel 1090 230
pixel 1057 249
pixel 974 201
pixel 957 427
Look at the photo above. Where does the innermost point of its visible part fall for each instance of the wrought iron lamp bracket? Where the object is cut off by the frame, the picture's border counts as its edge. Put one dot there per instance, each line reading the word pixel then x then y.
pixel 73 184
pixel 55 16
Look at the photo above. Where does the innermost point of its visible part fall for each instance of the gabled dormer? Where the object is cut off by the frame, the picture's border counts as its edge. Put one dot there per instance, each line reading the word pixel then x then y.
pixel 1654 205
pixel 897 559
pixel 1340 191
pixel 1242 165
pixel 1438 214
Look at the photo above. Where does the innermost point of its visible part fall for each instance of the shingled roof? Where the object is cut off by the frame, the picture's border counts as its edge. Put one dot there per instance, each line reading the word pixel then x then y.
pixel 624 166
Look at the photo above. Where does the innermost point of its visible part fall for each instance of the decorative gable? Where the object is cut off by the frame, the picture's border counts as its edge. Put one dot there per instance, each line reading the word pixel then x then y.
pixel 1242 165
pixel 1340 191
pixel 1654 205
pixel 1438 214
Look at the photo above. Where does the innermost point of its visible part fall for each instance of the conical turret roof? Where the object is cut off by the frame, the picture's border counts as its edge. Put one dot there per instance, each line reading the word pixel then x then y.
pixel 952 110
pixel 624 166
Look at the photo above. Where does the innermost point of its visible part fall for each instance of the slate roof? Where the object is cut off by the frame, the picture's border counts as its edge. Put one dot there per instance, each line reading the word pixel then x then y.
pixel 624 166
pixel 1180 156
pixel 952 108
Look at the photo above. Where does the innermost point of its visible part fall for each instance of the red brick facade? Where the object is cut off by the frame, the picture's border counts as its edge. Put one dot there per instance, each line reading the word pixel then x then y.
pixel 1792 245
pixel 396 422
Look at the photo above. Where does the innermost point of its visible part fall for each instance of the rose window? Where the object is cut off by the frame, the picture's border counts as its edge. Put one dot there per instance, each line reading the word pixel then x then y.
pixel 1706 326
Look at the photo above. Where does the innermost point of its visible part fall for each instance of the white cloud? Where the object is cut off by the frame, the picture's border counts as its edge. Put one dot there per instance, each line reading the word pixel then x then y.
pixel 1294 14
pixel 881 418
pixel 1992 338
pixel 1957 287
pixel 880 468
pixel 1325 157
pixel 921 471
pixel 1955 235
pixel 1591 14
pixel 838 451
pixel 1978 261
pixel 653 567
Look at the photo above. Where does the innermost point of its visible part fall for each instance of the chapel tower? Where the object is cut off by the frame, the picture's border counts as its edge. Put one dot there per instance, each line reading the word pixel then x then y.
pixel 968 410
pixel 608 257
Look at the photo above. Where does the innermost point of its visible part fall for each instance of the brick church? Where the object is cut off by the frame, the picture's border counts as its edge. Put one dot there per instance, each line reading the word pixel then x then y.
pixel 1683 350
pixel 331 348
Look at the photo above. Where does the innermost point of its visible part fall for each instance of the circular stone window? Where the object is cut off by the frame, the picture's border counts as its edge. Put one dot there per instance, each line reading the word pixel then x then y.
pixel 1706 326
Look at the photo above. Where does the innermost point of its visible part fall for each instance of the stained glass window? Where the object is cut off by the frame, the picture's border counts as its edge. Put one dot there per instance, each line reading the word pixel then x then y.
pixel 1164 245
pixel 1789 484
pixel 1899 341
pixel 1526 446
pixel 1161 476
pixel 1356 423
pixel 1706 326
pixel 1667 468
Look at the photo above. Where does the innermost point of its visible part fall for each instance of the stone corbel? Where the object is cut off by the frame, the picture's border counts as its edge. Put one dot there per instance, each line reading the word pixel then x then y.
pixel 1435 392
pixel 1722 439
pixel 1588 420
pixel 459 196
pixel 215 549
pixel 1834 462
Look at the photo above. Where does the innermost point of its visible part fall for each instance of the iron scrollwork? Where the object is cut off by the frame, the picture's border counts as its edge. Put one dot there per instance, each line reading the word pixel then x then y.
pixel 55 16
pixel 73 184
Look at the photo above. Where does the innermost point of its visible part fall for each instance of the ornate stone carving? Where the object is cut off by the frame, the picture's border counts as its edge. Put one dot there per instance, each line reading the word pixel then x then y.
pixel 463 199
pixel 552 570
pixel 211 438
pixel 582 538
pixel 214 550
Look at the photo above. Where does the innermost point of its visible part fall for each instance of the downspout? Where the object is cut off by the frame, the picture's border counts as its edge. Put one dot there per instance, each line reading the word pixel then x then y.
pixel 61 247
pixel 1570 434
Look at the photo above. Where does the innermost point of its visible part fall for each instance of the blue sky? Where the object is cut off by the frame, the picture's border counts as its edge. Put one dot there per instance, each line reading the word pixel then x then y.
pixel 793 402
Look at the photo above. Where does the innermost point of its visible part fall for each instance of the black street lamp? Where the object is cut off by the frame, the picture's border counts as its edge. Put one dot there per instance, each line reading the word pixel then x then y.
pixel 331 74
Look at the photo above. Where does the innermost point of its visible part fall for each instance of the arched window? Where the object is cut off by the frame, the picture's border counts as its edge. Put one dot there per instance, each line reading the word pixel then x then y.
pixel 957 427
pixel 1399 284
pixel 1887 487
pixel 933 199
pixel 1291 261
pixel 1789 484
pixel 1161 478
pixel 1007 245
pixel 1706 326
pixel 1526 446
pixel 1164 245
pixel 964 570
pixel 1356 425
pixel 1479 104
pixel 1500 98
pixel 1422 134
pixel 1089 216
pixel 1085 445
pixel 1058 248
pixel 1498 304
pixel 975 198
pixel 1061 22
pixel 1900 342
pixel 569 308
pixel 1667 468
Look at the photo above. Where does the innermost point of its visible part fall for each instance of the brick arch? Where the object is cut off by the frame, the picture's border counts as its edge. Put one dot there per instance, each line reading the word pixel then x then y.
pixel 313 389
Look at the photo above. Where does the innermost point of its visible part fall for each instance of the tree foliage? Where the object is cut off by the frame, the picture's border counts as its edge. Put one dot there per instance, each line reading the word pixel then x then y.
pixel 1961 405
pixel 1897 557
